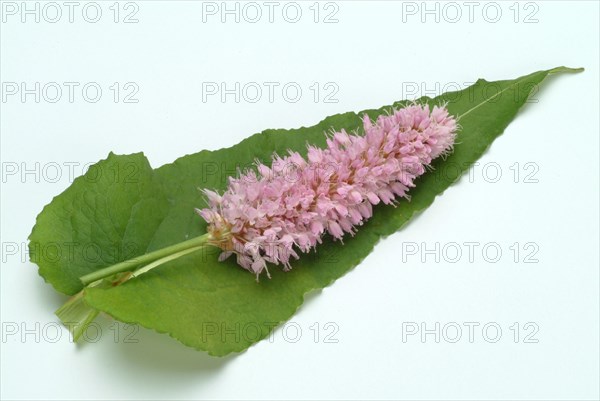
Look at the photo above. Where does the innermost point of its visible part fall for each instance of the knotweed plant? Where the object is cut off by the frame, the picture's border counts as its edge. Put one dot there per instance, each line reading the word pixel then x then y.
pixel 264 218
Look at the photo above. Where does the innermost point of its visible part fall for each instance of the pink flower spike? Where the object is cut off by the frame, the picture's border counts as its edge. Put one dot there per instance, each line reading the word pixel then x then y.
pixel 291 205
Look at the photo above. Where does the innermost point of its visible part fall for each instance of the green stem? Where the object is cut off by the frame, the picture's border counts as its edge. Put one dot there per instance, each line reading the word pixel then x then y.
pixel 76 315
pixel 166 259
pixel 164 254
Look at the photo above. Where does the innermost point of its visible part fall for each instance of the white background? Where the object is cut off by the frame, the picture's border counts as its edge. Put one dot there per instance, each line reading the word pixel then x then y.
pixel 375 54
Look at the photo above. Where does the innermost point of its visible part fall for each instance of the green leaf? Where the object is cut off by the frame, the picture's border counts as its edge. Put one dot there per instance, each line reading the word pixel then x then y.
pixel 108 215
pixel 217 306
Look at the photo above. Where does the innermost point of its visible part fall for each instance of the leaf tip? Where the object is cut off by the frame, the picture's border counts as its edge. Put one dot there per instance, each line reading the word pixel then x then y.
pixel 562 69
